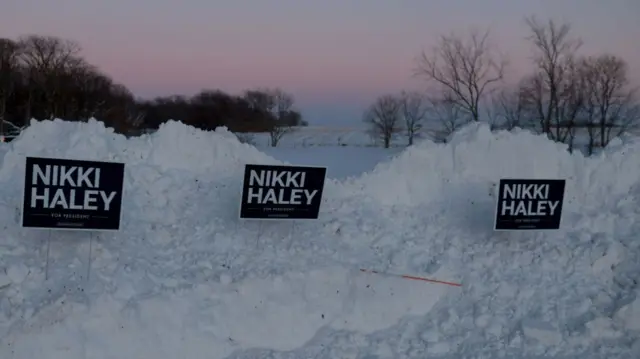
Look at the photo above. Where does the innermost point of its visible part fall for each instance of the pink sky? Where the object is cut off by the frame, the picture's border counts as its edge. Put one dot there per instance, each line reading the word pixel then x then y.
pixel 334 56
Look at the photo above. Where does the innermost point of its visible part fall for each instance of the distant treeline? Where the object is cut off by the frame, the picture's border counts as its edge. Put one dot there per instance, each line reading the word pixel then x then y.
pixel 46 77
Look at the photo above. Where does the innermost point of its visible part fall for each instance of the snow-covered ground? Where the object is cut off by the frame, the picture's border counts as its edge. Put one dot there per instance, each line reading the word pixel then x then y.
pixel 185 279
pixel 315 136
pixel 341 162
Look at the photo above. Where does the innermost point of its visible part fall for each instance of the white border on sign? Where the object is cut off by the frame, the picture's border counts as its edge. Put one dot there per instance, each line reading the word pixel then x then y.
pixel 24 188
pixel 495 217
pixel 324 181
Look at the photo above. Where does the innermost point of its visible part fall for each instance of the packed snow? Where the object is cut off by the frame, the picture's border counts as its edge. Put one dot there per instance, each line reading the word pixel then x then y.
pixel 184 278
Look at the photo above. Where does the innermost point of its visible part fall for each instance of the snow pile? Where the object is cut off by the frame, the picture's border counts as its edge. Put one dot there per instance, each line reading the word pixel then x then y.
pixel 184 279
pixel 476 159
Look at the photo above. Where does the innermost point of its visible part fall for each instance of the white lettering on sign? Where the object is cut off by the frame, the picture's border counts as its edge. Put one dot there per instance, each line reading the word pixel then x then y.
pixel 64 198
pixel 279 196
pixel 291 189
pixel 527 200
pixel 274 178
pixel 74 176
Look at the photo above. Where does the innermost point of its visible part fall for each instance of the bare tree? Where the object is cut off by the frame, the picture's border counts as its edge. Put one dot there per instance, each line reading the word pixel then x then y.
pixel 611 105
pixel 9 52
pixel 413 111
pixel 278 105
pixel 259 99
pixel 48 58
pixel 465 70
pixel 555 108
pixel 509 110
pixel 550 92
pixel 383 118
pixel 282 112
pixel 86 80
pixel 448 115
pixel 571 105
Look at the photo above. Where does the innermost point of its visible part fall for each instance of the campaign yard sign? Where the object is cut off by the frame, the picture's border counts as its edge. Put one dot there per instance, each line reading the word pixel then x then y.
pixel 529 204
pixel 72 194
pixel 282 192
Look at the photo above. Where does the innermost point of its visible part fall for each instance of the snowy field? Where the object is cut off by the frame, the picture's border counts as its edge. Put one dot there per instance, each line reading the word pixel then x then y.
pixel 315 136
pixel 185 279
pixel 341 162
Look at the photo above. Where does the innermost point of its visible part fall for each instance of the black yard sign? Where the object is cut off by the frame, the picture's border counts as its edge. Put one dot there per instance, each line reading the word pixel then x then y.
pixel 72 194
pixel 529 204
pixel 282 192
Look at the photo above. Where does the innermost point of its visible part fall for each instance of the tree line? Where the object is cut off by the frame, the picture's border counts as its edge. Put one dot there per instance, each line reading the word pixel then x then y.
pixel 565 95
pixel 45 77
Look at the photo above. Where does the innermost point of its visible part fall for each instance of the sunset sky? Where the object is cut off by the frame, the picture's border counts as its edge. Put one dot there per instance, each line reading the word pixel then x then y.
pixel 334 56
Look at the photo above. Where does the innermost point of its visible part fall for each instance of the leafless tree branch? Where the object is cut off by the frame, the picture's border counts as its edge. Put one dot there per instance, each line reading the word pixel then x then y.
pixel 550 92
pixel 466 71
pixel 414 112
pixel 383 118
pixel 611 107
pixel 449 116
pixel 282 104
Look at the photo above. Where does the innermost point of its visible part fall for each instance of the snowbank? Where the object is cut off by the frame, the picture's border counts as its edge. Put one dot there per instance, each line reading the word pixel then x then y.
pixel 184 279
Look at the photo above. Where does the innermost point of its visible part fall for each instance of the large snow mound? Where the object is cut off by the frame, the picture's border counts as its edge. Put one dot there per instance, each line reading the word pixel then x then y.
pixel 185 279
